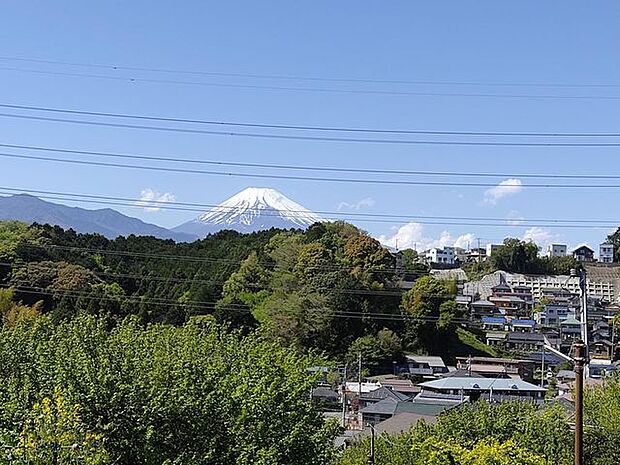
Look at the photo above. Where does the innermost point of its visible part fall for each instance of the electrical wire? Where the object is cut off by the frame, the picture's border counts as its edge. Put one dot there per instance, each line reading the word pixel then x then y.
pixel 306 168
pixel 310 138
pixel 302 213
pixel 141 277
pixel 169 119
pixel 134 203
pixel 115 67
pixel 326 90
pixel 211 306
pixel 231 174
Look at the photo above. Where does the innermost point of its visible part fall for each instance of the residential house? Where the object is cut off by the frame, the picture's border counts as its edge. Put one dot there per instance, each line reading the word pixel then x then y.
pixel 483 307
pixel 494 323
pixel 402 386
pixel 389 407
pixel 606 253
pixel 522 326
pixel 490 248
pixel 524 342
pixel 556 250
pixel 602 349
pixel 325 395
pixel 425 365
pixel 570 329
pixel 601 368
pixel 552 314
pixel 491 389
pixel 373 397
pixel 514 368
pixel 496 338
pixel 583 253
pixel 444 255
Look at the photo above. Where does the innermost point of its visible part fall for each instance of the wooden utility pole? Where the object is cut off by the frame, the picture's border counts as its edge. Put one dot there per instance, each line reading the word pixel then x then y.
pixel 371 455
pixel 579 351
pixel 344 397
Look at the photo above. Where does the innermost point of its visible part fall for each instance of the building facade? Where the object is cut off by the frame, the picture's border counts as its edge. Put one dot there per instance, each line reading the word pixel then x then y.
pixel 556 250
pixel 606 253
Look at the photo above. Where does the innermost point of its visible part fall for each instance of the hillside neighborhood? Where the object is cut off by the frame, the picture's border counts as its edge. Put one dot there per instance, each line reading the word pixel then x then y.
pixel 532 320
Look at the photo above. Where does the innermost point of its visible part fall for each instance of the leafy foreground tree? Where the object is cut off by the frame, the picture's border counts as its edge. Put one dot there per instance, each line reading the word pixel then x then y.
pixel 193 394
pixel 602 423
pixel 53 433
pixel 512 433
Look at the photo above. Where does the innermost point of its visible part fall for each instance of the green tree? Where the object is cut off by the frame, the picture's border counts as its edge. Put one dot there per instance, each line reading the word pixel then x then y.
pixel 53 433
pixel 380 350
pixel 511 433
pixel 160 394
pixel 517 256
pixel 430 305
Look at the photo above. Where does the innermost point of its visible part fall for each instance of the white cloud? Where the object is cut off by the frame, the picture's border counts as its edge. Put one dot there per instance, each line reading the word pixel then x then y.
pixel 505 188
pixel 514 218
pixel 540 236
pixel 412 235
pixel 364 203
pixel 150 199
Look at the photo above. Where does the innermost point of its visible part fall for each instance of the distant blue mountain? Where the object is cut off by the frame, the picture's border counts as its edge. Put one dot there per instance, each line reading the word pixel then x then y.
pixel 105 221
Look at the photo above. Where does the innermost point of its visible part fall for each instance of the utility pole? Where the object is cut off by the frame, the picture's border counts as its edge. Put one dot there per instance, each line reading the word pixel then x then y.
pixel 371 455
pixel 583 285
pixel 542 368
pixel 359 373
pixel 579 351
pixel 344 398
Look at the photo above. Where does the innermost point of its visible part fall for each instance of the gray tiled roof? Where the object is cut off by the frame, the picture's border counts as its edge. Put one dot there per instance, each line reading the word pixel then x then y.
pixel 483 384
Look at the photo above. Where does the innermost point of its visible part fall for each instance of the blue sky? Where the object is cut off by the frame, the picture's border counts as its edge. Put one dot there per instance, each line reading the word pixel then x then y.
pixel 484 41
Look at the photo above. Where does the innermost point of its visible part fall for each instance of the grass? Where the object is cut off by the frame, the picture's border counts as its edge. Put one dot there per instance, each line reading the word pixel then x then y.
pixel 469 339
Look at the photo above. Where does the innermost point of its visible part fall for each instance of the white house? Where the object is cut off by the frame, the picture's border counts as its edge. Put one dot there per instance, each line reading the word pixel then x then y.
pixel 438 255
pixel 492 248
pixel 606 253
pixel 556 250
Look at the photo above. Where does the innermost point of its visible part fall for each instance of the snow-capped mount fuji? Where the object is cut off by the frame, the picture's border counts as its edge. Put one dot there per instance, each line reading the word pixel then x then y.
pixel 253 209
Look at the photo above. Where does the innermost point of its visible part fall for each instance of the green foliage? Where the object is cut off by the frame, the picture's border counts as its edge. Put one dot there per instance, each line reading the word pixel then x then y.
pixel 469 339
pixel 512 433
pixel 432 309
pixel 193 394
pixel 316 290
pixel 54 433
pixel 11 312
pixel 380 350
pixel 147 269
pixel 602 420
pixel 517 256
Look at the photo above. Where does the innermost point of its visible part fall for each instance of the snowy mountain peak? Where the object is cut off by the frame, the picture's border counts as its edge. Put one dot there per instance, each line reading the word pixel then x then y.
pixel 253 209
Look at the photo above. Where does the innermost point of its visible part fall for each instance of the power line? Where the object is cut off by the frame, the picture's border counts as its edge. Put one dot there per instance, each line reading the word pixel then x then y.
pixel 211 306
pixel 368 217
pixel 303 178
pixel 169 119
pixel 114 67
pixel 305 168
pixel 172 279
pixel 310 138
pixel 402 93
pixel 194 259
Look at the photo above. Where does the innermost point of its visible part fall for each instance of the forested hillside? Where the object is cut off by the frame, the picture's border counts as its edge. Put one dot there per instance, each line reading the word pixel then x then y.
pixel 331 288
pixel 159 280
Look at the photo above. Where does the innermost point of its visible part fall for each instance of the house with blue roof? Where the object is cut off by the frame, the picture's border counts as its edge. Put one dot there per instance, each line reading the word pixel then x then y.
pixel 494 323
